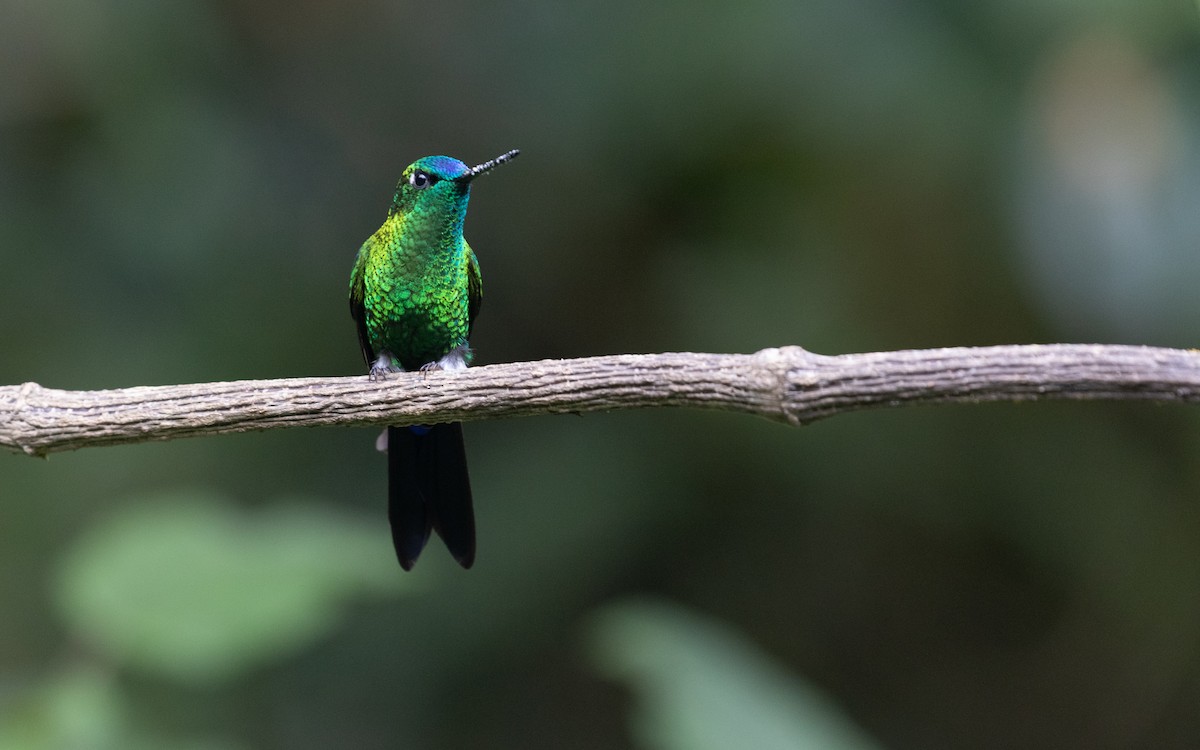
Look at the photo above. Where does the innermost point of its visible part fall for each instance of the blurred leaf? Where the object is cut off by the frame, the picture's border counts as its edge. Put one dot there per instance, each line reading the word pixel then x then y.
pixel 83 707
pixel 79 708
pixel 700 685
pixel 194 588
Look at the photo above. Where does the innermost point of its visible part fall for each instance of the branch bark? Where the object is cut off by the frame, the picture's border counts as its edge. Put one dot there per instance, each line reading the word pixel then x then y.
pixel 788 384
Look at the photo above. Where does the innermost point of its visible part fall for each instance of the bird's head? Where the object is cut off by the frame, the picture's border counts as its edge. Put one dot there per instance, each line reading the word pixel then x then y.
pixel 440 185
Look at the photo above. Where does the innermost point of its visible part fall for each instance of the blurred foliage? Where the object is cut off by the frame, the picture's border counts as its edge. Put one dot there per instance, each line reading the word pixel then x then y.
pixel 196 591
pixel 702 688
pixel 82 707
pixel 183 187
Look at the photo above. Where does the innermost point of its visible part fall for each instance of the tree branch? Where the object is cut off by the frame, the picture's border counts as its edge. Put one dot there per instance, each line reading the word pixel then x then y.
pixel 788 385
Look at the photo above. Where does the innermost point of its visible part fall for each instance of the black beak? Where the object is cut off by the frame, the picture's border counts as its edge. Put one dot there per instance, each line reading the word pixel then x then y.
pixel 487 166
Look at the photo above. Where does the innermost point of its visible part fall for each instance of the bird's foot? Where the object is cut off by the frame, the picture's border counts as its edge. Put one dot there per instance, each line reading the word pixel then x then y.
pixel 429 367
pixel 381 367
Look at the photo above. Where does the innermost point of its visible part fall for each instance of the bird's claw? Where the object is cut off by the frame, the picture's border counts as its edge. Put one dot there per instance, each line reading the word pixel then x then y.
pixel 382 365
pixel 377 373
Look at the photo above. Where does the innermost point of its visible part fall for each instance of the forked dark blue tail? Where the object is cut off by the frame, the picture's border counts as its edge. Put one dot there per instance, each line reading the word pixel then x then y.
pixel 429 489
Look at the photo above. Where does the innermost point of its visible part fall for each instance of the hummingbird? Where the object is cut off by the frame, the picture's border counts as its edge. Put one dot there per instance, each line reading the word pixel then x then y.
pixel 414 293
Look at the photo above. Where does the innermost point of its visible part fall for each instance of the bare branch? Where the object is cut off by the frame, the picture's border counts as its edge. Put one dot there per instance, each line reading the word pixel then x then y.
pixel 787 384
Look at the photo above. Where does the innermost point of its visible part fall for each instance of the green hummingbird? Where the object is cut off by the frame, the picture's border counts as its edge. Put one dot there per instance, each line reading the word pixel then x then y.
pixel 414 294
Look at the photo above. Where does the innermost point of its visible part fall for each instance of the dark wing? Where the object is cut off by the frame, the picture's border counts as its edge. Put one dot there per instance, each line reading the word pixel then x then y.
pixel 474 289
pixel 358 306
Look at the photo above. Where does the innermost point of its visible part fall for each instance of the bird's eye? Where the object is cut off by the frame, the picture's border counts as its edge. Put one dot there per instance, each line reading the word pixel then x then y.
pixel 420 180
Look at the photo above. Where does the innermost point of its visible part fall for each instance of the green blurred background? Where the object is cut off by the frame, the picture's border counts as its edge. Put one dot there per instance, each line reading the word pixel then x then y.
pixel 183 187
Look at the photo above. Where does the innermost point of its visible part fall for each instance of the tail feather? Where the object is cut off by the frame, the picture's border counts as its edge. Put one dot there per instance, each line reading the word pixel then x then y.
pixel 407 511
pixel 429 488
pixel 451 508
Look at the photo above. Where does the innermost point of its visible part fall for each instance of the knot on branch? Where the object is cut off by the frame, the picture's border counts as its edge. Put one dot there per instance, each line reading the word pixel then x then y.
pixel 792 370
pixel 14 411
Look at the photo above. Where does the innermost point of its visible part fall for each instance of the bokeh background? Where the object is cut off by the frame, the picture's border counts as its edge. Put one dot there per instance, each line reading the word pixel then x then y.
pixel 183 187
